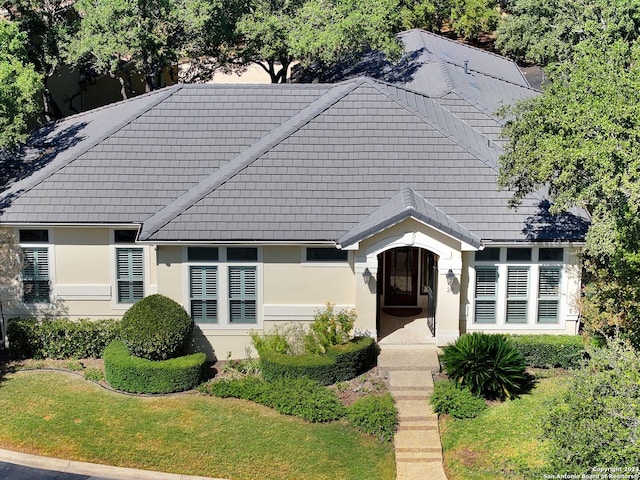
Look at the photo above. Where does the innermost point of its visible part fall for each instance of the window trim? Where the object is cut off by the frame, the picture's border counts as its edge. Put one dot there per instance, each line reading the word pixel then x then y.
pixel 205 297
pixel 223 265
pixel 49 245
pixel 131 278
pixel 147 287
pixel 534 267
pixel 37 278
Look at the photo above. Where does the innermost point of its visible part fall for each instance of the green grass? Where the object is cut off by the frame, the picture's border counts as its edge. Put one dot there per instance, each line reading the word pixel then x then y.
pixel 60 415
pixel 504 441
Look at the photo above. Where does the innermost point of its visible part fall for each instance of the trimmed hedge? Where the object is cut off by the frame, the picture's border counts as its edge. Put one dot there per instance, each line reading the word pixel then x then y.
pixel 60 338
pixel 341 362
pixel 376 415
pixel 550 351
pixel 138 375
pixel 299 397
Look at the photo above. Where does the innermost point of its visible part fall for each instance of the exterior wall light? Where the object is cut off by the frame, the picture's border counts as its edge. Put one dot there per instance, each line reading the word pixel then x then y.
pixel 366 275
pixel 450 278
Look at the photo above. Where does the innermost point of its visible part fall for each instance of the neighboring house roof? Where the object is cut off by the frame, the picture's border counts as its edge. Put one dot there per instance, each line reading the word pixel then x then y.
pixel 251 163
pixel 475 82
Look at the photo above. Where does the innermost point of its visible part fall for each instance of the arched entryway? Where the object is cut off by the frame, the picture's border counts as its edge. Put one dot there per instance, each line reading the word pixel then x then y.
pixel 406 295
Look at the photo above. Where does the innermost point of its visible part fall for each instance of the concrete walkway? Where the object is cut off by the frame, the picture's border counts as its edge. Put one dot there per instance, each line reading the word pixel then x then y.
pixel 417 442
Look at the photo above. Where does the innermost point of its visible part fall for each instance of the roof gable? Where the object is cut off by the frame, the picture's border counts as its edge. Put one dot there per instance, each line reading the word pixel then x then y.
pixel 407 204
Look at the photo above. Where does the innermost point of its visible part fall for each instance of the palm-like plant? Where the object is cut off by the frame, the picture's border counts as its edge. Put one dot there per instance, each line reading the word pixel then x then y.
pixel 488 364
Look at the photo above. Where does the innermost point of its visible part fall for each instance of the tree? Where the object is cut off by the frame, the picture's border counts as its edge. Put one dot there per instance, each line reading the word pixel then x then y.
pixel 114 33
pixel 11 262
pixel 46 24
pixel 427 14
pixel 547 31
pixel 148 37
pixel 470 18
pixel 580 139
pixel 20 87
pixel 276 32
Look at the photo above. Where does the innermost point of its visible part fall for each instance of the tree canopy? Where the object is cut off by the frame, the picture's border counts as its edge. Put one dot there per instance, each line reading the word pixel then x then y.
pixel 274 33
pixel 548 31
pixel 21 85
pixel 147 35
pixel 466 18
pixel 580 139
pixel 46 25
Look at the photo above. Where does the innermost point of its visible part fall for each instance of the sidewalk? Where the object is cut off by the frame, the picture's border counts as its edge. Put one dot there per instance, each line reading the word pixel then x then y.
pixel 417 441
pixel 96 471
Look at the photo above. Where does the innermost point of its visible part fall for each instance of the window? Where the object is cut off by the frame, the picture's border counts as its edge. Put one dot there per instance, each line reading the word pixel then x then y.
pixel 517 294
pixel 124 236
pixel 203 282
pixel 488 254
pixel 34 236
pixel 549 295
pixel 326 255
pixel 486 294
pixel 35 275
pixel 202 254
pixel 242 254
pixel 551 255
pixel 518 254
pixel 242 294
pixel 518 286
pixel 129 274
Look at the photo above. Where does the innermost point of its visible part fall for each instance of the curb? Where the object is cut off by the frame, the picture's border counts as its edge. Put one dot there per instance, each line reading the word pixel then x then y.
pixel 90 469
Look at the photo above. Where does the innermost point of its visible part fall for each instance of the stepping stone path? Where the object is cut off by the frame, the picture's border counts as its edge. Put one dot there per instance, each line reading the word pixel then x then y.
pixel 409 369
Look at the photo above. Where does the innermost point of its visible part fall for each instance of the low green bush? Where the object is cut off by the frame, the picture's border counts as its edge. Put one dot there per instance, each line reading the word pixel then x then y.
pixel 488 364
pixel 341 362
pixel 60 338
pixel 156 328
pixel 299 397
pixel 459 402
pixel 133 374
pixel 375 415
pixel 248 388
pixel 551 351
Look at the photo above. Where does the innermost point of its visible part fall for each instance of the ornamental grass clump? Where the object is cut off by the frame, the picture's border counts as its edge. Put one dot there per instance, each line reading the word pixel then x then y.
pixel 489 365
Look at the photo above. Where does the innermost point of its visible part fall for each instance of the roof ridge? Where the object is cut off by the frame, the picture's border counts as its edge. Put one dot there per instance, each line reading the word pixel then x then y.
pixel 57 164
pixel 455 42
pixel 246 157
pixel 490 144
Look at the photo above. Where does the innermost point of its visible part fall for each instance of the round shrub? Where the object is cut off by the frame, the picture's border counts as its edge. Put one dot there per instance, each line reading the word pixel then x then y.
pixel 459 402
pixel 133 374
pixel 156 328
pixel 375 415
pixel 488 364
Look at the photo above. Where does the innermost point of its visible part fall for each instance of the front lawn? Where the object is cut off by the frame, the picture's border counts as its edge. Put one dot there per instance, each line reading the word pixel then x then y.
pixel 502 442
pixel 60 415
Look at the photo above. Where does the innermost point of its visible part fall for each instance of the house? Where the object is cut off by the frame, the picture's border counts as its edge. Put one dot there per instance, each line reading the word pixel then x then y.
pixel 253 205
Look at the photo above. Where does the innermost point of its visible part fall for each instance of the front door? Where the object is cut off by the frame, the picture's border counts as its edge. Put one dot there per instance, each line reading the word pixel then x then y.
pixel 401 276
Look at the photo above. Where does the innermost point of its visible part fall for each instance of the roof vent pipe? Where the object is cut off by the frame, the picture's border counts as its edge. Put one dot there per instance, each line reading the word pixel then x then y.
pixel 466 66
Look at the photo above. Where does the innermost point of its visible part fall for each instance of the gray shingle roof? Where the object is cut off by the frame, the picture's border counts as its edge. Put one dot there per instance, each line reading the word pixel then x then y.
pixel 254 163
